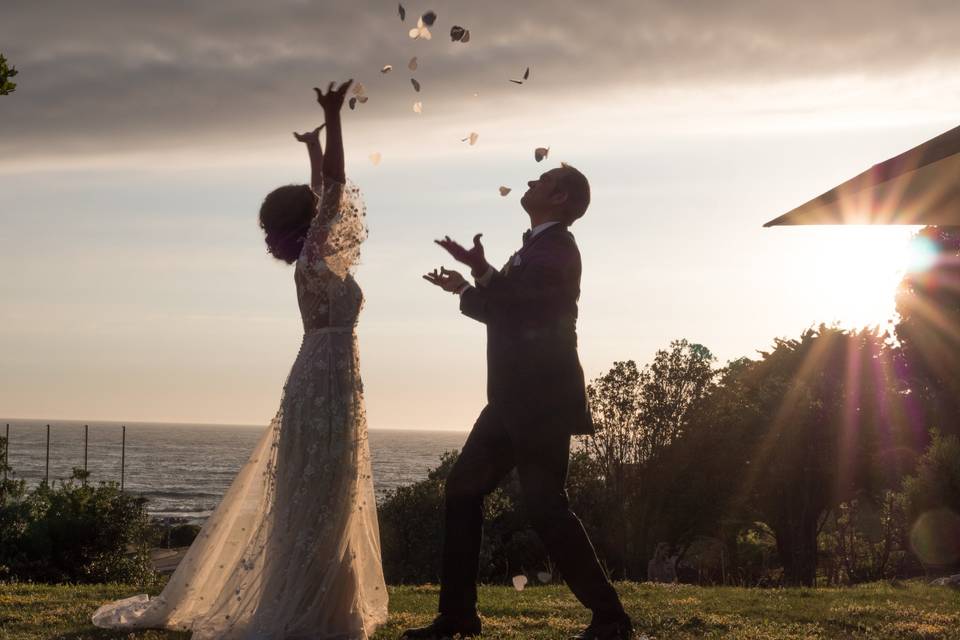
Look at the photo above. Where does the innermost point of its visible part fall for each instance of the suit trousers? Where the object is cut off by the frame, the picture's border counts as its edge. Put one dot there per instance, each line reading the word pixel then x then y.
pixel 541 457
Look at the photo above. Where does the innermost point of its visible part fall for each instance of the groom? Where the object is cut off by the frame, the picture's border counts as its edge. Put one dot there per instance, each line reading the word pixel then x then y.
pixel 536 401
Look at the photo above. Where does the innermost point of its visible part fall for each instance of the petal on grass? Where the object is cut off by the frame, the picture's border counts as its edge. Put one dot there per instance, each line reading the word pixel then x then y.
pixel 519 582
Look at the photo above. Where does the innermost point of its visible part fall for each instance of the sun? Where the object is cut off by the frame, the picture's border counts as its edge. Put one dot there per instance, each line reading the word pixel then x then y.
pixel 855 272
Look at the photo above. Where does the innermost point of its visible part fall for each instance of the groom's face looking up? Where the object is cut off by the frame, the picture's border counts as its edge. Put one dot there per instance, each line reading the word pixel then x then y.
pixel 560 195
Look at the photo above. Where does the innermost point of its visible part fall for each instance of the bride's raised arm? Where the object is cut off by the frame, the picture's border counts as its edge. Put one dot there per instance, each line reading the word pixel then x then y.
pixel 332 103
pixel 315 151
pixel 328 182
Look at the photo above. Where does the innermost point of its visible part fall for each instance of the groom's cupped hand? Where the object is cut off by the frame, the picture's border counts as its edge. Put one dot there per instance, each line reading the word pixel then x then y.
pixel 472 257
pixel 447 280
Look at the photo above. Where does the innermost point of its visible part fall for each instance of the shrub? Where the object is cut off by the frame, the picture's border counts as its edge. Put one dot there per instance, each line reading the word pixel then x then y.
pixel 411 531
pixel 933 504
pixel 73 532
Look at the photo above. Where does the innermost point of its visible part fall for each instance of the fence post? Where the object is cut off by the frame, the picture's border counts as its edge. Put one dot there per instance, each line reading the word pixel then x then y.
pixel 86 439
pixel 46 473
pixel 123 455
pixel 6 454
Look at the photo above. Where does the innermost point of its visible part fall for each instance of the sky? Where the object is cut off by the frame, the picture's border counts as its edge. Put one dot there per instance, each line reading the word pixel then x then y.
pixel 142 137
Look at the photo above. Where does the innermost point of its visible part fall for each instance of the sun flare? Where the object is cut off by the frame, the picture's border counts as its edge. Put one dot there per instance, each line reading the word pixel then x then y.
pixel 857 270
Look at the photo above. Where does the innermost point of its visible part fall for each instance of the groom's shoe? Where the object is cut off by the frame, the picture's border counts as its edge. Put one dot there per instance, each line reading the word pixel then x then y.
pixel 445 627
pixel 616 629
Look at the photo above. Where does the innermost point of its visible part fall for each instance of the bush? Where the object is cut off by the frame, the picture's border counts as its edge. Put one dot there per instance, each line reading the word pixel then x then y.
pixel 864 540
pixel 411 532
pixel 73 532
pixel 933 504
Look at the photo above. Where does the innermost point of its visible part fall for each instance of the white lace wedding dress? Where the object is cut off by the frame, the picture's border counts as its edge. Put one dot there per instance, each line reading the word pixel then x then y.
pixel 293 549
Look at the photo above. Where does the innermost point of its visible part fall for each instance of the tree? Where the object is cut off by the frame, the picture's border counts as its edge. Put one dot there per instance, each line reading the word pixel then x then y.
pixel 812 415
pixel 6 72
pixel 638 415
pixel 928 302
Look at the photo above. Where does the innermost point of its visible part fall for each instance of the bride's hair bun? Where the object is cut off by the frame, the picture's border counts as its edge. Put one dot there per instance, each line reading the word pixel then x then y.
pixel 285 217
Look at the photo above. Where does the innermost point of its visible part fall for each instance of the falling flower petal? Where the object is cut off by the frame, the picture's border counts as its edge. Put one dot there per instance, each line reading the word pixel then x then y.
pixel 418 107
pixel 359 89
pixel 472 138
pixel 466 37
pixel 544 577
pixel 526 75
pixel 353 104
pixel 362 99
pixel 416 85
pixel 457 32
pixel 402 12
pixel 412 65
pixel 540 153
pixel 504 191
pixel 387 68
pixel 519 582
pixel 420 31
pixel 429 18
pixel 375 158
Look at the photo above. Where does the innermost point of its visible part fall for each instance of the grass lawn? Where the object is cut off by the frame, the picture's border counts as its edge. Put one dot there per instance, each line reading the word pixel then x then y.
pixel 665 612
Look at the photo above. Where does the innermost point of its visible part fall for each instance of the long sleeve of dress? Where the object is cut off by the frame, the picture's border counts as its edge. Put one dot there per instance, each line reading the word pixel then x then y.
pixel 328 208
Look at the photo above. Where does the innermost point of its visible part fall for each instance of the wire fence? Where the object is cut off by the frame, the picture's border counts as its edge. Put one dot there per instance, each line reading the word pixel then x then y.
pixel 86 442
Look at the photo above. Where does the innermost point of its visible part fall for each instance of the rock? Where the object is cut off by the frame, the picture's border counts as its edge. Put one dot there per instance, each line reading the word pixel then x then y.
pixel 951 581
pixel 662 567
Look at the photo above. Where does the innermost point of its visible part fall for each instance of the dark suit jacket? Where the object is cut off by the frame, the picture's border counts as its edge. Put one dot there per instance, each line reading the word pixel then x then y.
pixel 534 375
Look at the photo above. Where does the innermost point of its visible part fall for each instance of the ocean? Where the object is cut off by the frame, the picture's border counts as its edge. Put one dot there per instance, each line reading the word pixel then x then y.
pixel 184 469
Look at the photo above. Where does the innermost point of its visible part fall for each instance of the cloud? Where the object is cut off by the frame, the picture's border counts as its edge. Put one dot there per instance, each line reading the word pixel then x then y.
pixel 109 76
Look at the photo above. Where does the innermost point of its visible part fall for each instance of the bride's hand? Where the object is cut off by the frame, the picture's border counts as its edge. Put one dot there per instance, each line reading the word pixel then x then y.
pixel 310 138
pixel 447 280
pixel 333 99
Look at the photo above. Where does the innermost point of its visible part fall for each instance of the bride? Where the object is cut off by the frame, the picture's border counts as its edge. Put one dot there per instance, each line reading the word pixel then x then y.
pixel 293 549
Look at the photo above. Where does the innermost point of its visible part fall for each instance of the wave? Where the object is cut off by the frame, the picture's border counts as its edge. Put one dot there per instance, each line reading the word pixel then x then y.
pixel 179 495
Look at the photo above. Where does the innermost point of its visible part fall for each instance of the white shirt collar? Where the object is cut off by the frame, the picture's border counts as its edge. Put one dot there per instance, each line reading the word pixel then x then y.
pixel 543 226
